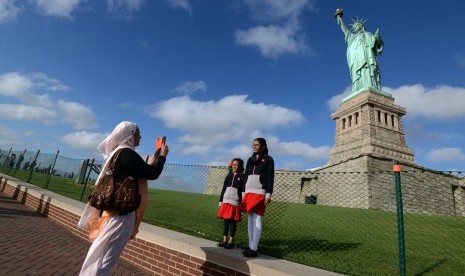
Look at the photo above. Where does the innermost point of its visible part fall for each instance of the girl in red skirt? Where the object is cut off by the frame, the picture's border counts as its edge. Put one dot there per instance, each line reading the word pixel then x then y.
pixel 230 201
pixel 258 189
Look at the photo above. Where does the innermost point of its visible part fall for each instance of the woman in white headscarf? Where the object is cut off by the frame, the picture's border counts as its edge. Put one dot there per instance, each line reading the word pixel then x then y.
pixel 111 231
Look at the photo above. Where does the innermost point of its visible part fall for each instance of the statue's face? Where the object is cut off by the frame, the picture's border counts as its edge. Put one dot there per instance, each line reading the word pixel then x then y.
pixel 357 27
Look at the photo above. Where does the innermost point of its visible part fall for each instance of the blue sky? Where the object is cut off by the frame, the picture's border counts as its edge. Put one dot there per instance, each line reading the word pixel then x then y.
pixel 213 75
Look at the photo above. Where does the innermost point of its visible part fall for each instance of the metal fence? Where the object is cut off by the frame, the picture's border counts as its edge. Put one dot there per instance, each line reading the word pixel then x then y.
pixel 376 222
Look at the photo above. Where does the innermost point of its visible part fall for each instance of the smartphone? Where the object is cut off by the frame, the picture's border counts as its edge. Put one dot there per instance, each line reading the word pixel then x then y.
pixel 159 141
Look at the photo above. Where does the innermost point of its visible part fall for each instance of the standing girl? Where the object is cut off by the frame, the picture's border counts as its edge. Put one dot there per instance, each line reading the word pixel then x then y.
pixel 230 201
pixel 258 189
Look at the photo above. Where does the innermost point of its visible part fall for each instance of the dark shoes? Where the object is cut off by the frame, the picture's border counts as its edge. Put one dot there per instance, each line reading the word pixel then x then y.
pixel 226 245
pixel 229 246
pixel 249 253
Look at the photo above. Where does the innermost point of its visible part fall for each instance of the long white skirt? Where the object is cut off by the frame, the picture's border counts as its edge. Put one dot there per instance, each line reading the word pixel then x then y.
pixel 108 246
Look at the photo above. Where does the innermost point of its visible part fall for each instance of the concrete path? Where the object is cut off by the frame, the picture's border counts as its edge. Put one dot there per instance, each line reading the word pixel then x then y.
pixel 31 244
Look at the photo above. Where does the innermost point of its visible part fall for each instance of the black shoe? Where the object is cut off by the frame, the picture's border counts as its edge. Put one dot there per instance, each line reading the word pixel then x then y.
pixel 221 244
pixel 229 246
pixel 250 253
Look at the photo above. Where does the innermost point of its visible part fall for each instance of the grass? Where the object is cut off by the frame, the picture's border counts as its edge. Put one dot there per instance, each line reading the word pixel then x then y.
pixel 350 241
pixel 346 240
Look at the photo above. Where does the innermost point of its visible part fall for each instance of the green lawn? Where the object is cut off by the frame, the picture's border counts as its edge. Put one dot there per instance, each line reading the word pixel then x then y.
pixel 350 241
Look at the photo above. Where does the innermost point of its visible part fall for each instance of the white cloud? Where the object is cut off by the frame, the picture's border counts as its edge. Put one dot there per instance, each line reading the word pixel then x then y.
pixel 270 10
pixel 216 122
pixel 244 150
pixel 190 87
pixel 8 10
pixel 40 107
pixel 124 8
pixel 60 8
pixel 27 113
pixel 273 40
pixel 283 33
pixel 292 154
pixel 180 4
pixel 220 130
pixel 441 102
pixel 8 137
pixel 14 85
pixel 441 136
pixel 27 88
pixel 126 105
pixel 84 140
pixel 78 115
pixel 146 46
pixel 446 154
pixel 299 149
pixel 195 149
pixel 43 81
pixel 335 101
pixel 460 58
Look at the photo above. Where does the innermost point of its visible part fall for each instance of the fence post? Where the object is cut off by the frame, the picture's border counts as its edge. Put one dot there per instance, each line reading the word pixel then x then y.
pixel 51 170
pixel 400 220
pixel 7 157
pixel 32 165
pixel 18 163
pixel 87 179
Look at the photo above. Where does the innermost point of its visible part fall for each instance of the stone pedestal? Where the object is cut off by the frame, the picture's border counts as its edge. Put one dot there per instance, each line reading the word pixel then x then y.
pixel 369 135
pixel 370 124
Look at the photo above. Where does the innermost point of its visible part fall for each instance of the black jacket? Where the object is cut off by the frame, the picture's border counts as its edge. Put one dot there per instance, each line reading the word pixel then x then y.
pixel 263 166
pixel 239 183
pixel 130 163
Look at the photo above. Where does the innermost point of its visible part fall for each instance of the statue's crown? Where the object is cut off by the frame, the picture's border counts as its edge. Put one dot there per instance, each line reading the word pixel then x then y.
pixel 358 21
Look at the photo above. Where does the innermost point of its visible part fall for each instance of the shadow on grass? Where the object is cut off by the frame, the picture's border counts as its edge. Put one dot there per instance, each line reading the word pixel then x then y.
pixel 431 268
pixel 281 247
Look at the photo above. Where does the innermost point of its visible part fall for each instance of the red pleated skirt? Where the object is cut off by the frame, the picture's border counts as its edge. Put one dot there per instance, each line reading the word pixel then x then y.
pixel 253 203
pixel 229 212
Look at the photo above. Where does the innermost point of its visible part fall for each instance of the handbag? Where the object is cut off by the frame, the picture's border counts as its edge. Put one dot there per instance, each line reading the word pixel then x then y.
pixel 117 196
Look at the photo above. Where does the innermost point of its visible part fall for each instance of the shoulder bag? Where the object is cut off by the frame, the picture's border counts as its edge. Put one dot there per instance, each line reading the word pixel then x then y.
pixel 110 195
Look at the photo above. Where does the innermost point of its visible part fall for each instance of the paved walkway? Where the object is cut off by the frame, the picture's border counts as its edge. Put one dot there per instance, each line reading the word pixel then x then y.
pixel 31 244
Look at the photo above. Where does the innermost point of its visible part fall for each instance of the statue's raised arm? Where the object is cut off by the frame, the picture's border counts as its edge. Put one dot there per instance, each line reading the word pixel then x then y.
pixel 338 15
pixel 362 49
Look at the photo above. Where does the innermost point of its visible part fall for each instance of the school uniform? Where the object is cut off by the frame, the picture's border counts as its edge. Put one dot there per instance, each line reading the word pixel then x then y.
pixel 231 197
pixel 259 185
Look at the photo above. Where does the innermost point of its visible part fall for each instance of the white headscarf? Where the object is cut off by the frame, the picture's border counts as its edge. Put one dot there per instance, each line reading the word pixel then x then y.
pixel 121 137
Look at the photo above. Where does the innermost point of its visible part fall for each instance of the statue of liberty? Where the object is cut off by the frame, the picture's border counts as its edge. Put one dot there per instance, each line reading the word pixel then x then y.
pixel 362 49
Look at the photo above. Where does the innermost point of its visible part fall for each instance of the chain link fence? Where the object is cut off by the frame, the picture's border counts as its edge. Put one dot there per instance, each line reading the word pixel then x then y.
pixel 347 221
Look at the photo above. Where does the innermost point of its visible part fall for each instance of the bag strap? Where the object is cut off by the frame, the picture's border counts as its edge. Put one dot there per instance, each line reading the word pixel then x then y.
pixel 113 160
